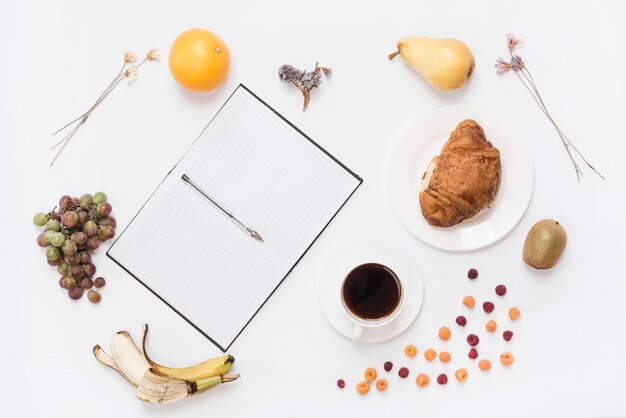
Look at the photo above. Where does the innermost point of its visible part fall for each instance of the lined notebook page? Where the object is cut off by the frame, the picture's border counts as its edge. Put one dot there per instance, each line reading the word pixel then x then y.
pixel 269 176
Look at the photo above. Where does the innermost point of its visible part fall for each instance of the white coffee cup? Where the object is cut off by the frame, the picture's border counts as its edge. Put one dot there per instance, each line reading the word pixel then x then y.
pixel 361 321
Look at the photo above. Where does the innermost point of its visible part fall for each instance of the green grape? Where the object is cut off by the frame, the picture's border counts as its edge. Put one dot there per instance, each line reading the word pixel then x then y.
pixel 103 209
pixel 99 197
pixel 41 241
pixel 52 253
pixel 62 268
pixel 40 219
pixel 64 202
pixel 69 247
pixel 58 239
pixel 69 219
pixel 86 200
pixel 53 225
pixel 90 228
pixel 72 260
pixel 94 296
pixel 69 282
pixel 47 236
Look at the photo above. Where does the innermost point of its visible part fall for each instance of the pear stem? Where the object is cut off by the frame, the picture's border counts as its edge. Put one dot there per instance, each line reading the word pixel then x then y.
pixel 392 56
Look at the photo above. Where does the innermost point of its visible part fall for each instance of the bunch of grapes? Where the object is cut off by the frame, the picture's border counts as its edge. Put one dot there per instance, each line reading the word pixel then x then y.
pixel 72 232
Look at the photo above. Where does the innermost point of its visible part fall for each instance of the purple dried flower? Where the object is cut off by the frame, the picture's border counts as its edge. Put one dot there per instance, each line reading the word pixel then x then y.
pixel 304 80
pixel 512 41
pixel 516 63
pixel 502 66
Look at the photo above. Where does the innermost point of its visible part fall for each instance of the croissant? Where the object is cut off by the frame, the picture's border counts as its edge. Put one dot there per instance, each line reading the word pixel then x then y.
pixel 463 180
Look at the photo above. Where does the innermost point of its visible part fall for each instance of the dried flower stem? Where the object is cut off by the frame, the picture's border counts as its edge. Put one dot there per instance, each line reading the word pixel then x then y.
pixel 126 71
pixel 522 72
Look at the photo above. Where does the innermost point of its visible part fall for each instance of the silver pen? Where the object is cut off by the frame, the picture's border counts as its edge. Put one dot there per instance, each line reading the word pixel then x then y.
pixel 240 224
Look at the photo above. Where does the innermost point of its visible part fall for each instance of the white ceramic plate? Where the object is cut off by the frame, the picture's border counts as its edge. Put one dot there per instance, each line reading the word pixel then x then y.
pixel 341 263
pixel 422 141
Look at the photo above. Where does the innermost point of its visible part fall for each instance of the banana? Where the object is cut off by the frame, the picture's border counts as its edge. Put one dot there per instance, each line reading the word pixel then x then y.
pixel 155 388
pixel 161 384
pixel 213 367
pixel 108 361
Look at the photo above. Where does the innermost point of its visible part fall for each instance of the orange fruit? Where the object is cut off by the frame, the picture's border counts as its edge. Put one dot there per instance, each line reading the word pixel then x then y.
pixel 199 60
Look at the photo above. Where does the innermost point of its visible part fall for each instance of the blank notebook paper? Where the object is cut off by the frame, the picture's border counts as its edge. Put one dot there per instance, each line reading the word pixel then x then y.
pixel 270 176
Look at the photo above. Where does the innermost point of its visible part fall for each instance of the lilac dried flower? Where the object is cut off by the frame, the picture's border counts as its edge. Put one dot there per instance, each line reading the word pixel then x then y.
pixel 517 64
pixel 502 66
pixel 523 74
pixel 512 41
pixel 304 80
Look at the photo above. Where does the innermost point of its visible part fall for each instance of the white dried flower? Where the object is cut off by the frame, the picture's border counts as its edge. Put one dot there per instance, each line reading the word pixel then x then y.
pixel 129 56
pixel 153 54
pixel 131 73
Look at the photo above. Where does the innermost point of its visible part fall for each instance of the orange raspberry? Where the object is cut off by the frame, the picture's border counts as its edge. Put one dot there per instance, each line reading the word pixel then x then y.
pixel 430 354
pixel 461 375
pixel 382 385
pixel 410 350
pixel 506 358
pixel 514 313
pixel 469 301
pixel 444 357
pixel 363 387
pixel 444 333
pixel 484 365
pixel 370 374
pixel 422 380
pixel 491 326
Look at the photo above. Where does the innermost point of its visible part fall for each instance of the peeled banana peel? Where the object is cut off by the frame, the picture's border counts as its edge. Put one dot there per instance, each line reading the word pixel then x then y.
pixel 161 384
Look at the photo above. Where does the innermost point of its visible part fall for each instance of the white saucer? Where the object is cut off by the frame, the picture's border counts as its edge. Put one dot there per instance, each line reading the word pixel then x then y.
pixel 341 263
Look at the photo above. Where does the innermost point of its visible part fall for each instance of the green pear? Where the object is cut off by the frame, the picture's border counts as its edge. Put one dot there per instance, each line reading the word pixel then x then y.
pixel 446 64
pixel 544 244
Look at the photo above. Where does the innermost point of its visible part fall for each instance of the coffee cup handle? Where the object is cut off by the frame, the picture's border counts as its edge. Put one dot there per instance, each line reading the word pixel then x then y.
pixel 357 331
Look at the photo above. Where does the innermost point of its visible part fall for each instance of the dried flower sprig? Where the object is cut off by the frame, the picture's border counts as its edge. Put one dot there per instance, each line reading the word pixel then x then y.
pixel 303 80
pixel 519 67
pixel 128 71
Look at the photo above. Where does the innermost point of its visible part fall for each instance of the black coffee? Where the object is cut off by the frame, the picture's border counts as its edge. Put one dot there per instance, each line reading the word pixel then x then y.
pixel 371 291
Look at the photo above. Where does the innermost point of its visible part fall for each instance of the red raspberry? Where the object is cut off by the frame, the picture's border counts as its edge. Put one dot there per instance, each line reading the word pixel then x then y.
pixel 500 290
pixel 442 379
pixel 488 307
pixel 341 384
pixel 388 366
pixel 507 335
pixel 403 372
pixel 473 354
pixel 473 340
pixel 472 274
pixel 461 320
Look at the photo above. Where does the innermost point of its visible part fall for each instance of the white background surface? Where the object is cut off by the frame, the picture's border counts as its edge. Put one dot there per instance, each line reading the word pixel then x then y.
pixel 568 345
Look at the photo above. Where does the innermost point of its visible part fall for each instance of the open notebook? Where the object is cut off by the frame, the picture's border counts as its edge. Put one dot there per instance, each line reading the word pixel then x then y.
pixel 266 172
